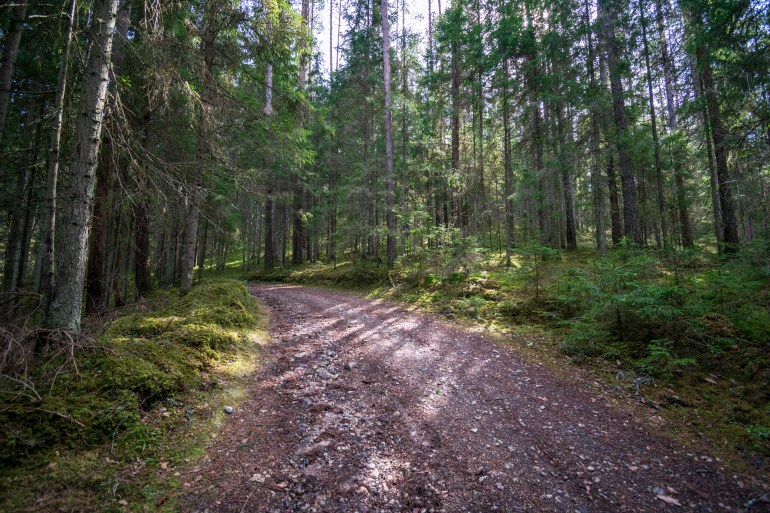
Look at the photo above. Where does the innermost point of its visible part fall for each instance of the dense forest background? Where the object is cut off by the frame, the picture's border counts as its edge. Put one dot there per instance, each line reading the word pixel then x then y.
pixel 142 140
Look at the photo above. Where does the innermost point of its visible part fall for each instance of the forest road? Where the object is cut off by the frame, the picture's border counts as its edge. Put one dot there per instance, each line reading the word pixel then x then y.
pixel 361 406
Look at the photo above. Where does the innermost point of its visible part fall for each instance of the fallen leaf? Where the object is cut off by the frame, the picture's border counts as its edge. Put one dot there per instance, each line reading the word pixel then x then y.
pixel 52 465
pixel 669 500
pixel 123 502
pixel 164 465
pixel 633 468
pixel 282 485
pixel 671 490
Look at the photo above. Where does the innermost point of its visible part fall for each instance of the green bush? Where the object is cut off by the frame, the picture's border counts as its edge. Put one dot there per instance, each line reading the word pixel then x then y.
pixel 585 338
pixel 661 362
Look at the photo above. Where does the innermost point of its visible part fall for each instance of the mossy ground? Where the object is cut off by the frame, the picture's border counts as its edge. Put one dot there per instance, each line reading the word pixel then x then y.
pixel 108 429
pixel 689 331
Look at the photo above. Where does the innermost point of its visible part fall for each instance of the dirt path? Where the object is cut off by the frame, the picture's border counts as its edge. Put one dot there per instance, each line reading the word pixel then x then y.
pixel 363 407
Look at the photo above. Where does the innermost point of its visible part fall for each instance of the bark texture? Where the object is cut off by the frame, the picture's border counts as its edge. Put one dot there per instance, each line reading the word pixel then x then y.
pixel 66 302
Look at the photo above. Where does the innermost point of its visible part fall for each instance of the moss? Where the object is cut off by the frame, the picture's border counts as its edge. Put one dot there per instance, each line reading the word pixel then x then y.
pixel 127 399
pixel 204 336
pixel 141 325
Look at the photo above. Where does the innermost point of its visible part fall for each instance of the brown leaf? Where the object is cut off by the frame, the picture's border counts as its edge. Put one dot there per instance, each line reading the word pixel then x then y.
pixel 669 500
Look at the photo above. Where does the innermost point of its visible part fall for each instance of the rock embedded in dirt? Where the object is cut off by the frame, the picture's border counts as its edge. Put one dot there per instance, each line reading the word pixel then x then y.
pixel 307 403
pixel 350 365
pixel 229 410
pixel 323 373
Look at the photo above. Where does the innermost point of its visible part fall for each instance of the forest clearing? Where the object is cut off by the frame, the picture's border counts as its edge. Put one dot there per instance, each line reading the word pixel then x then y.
pixel 379 255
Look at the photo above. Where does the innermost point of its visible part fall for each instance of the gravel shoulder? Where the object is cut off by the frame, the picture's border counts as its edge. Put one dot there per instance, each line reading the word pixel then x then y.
pixel 362 406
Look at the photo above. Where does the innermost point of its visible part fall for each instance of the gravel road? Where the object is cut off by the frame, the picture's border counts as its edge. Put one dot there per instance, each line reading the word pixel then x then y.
pixel 363 407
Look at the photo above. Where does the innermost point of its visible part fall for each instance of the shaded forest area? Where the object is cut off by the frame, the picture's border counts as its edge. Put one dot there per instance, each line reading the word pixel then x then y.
pixel 595 170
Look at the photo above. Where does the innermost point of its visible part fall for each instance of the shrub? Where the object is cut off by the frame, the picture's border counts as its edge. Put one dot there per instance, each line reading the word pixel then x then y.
pixel 586 338
pixel 661 362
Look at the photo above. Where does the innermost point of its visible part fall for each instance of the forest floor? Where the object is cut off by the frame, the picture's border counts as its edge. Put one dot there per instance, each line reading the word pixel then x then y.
pixel 361 405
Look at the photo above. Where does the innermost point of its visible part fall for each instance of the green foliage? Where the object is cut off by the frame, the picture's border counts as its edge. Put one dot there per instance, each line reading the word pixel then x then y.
pixel 661 362
pixel 585 339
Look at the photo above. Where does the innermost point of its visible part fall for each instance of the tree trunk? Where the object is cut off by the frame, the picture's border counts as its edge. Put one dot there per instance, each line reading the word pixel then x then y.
pixel 47 229
pixel 508 168
pixel 455 122
pixel 566 183
pixel 654 127
pixel 596 181
pixel 718 135
pixel 66 303
pixel 627 182
pixel 10 51
pixel 668 76
pixel 96 285
pixel 207 83
pixel 269 236
pixel 391 248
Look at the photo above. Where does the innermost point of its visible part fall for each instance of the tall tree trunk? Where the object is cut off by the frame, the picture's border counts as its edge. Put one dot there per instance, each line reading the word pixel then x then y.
pixel 66 303
pixel 391 248
pixel 269 234
pixel 455 123
pixel 718 136
pixel 298 232
pixel 654 127
pixel 508 168
pixel 566 183
pixel 404 129
pixel 668 76
pixel 596 181
pixel 331 36
pixel 8 62
pixel 201 151
pixel 631 229
pixel 52 177
pixel 96 284
pixel 140 211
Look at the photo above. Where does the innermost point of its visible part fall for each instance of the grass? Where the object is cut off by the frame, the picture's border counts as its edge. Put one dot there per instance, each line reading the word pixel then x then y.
pixel 692 329
pixel 109 429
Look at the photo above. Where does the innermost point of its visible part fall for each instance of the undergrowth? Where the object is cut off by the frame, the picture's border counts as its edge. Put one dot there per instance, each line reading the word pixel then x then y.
pixel 692 327
pixel 103 428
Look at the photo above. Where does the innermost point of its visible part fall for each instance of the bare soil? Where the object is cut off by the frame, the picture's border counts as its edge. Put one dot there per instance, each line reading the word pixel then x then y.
pixel 362 406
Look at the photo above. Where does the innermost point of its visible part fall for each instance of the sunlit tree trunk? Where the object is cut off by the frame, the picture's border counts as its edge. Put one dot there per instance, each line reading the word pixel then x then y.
pixel 66 302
